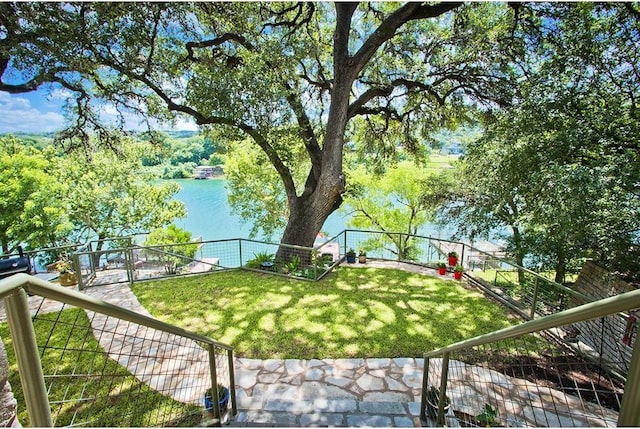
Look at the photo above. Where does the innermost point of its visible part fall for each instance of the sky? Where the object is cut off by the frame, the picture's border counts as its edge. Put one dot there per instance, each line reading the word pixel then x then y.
pixel 33 112
pixel 41 111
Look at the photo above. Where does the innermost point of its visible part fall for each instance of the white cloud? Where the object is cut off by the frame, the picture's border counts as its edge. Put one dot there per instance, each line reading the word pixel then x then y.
pixel 60 94
pixel 185 124
pixel 134 121
pixel 18 115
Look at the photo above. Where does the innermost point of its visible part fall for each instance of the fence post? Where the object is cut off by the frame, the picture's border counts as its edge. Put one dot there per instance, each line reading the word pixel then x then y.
pixel 128 260
pixel 629 415
pixel 532 315
pixel 443 389
pixel 78 270
pixel 345 242
pixel 240 251
pixel 232 383
pixel 214 383
pixel 29 365
pixel 425 387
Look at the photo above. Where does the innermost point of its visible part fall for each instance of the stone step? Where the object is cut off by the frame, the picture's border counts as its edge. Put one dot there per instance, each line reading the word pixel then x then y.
pixel 330 392
pixel 324 412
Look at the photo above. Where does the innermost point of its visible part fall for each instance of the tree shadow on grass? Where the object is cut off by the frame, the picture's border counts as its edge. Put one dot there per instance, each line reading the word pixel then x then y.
pixel 362 312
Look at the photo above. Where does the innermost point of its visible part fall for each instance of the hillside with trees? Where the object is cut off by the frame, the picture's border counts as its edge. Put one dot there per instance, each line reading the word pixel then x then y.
pixel 171 154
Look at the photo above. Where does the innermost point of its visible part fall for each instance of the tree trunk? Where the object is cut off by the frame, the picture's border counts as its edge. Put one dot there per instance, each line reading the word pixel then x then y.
pixel 97 254
pixel 561 269
pixel 519 253
pixel 308 213
pixel 325 183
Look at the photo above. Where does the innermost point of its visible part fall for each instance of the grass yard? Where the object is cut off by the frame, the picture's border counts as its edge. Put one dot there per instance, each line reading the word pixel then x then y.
pixel 353 312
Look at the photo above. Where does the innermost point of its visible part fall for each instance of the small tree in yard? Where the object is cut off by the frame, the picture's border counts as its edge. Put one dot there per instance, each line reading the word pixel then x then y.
pixel 400 201
pixel 166 246
pixel 32 210
pixel 108 196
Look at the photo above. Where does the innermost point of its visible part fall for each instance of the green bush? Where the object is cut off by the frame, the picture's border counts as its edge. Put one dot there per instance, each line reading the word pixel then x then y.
pixel 166 243
pixel 258 259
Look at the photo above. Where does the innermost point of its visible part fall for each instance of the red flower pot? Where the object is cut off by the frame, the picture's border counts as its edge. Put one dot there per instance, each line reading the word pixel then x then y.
pixel 453 261
pixel 442 270
pixel 457 275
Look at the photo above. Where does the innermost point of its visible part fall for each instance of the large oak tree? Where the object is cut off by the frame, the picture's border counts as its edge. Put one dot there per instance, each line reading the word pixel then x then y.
pixel 267 69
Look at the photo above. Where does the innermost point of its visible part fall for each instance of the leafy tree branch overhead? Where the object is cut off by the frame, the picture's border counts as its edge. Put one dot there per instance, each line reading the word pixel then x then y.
pixel 260 67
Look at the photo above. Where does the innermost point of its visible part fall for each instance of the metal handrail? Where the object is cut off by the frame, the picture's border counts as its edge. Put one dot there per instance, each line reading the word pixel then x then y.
pixel 593 310
pixel 40 287
pixel 613 305
pixel 14 291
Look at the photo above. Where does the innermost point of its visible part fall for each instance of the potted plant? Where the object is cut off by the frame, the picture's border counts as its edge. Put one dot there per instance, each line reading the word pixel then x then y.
pixel 223 398
pixel 351 256
pixel 457 272
pixel 442 268
pixel 433 397
pixel 67 276
pixel 362 257
pixel 453 258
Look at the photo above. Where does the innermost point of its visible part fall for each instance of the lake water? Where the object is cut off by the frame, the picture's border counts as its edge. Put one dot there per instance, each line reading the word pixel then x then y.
pixel 209 214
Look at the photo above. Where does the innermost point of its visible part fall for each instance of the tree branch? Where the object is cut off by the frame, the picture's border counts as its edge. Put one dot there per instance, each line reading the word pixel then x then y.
pixel 387 29
pixel 291 24
pixel 357 107
pixel 190 46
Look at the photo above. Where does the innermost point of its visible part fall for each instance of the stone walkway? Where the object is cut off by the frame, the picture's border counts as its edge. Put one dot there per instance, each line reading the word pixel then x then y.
pixel 329 392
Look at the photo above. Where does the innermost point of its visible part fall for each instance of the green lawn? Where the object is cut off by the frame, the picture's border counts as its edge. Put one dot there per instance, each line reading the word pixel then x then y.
pixel 353 312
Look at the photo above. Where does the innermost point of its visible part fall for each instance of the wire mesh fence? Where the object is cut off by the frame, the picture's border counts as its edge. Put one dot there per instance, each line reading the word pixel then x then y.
pixel 294 261
pixel 531 293
pixel 531 380
pixel 402 247
pixel 104 371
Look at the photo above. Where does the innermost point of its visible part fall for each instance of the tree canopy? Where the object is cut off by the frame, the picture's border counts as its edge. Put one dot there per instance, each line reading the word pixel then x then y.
pixel 31 210
pixel 555 85
pixel 564 159
pixel 290 76
pixel 109 195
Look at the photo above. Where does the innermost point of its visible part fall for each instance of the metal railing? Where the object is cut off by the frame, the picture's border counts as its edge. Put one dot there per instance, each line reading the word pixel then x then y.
pixel 400 246
pixel 85 362
pixel 513 365
pixel 523 376
pixel 136 262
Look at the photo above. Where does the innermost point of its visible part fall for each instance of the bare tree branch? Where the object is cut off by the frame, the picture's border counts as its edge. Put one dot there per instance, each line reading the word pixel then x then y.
pixel 241 40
